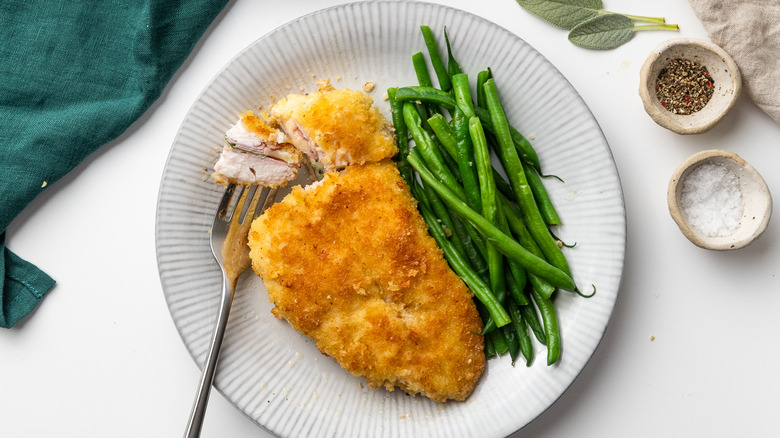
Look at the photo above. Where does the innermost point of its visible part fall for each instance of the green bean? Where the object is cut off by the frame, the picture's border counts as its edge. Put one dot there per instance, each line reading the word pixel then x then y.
pixel 521 144
pixel 453 67
pixel 490 326
pixel 551 329
pixel 430 95
pixel 495 262
pixel 465 158
pixel 465 106
pixel 438 209
pixel 500 280
pixel 422 114
pixel 479 241
pixel 518 275
pixel 515 291
pixel 423 78
pixel 436 61
pixel 545 288
pixel 487 190
pixel 413 120
pixel 503 186
pixel 479 244
pixel 521 328
pixel 444 133
pixel 490 349
pixel 460 87
pixel 505 244
pixel 530 317
pixel 546 207
pixel 465 240
pixel 446 158
pixel 401 135
pixel 487 185
pixel 429 151
pixel 515 281
pixel 431 157
pixel 461 267
pixel 525 149
pixel 470 248
pixel 421 70
pixel 517 179
pixel 444 138
pixel 419 194
pixel 499 341
pixel 512 216
pixel 473 250
pixel 482 77
pixel 512 341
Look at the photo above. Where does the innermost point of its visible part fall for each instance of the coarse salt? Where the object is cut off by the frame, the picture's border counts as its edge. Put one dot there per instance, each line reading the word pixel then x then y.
pixel 711 200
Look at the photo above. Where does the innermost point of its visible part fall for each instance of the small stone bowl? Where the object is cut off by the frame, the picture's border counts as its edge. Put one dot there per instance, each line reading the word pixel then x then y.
pixel 755 195
pixel 722 69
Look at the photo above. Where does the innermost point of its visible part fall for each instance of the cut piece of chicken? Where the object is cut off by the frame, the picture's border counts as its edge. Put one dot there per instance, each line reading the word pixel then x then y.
pixel 336 127
pixel 348 261
pixel 256 152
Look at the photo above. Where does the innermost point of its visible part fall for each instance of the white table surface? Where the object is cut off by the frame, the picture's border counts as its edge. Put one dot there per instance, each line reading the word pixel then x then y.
pixel 691 349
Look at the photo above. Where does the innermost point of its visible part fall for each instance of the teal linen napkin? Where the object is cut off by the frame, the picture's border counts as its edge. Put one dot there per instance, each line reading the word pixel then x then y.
pixel 23 287
pixel 76 74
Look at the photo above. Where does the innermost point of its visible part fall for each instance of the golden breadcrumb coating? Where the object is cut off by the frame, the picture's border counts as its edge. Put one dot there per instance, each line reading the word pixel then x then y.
pixel 253 123
pixel 338 127
pixel 349 262
pixel 263 125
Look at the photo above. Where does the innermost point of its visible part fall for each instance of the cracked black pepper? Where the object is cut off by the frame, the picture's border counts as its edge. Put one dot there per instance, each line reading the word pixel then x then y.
pixel 684 86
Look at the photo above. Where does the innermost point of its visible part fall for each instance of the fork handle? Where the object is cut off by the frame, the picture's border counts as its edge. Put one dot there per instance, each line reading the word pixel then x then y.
pixel 198 413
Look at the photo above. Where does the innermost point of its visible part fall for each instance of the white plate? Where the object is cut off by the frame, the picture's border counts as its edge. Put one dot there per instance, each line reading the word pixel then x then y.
pixel 276 376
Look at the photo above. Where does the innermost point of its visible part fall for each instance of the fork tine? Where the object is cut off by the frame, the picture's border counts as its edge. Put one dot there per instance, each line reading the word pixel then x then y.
pixel 267 200
pixel 239 190
pixel 222 209
pixel 250 196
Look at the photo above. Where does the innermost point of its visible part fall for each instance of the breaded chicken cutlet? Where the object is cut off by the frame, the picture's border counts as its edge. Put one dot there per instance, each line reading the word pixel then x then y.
pixel 348 262
pixel 336 127
pixel 256 152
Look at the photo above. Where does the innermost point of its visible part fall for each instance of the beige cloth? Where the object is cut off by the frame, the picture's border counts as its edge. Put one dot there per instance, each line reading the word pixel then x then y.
pixel 749 30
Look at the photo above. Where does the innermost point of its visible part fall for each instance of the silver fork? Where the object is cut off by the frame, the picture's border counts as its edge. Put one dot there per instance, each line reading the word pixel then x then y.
pixel 223 218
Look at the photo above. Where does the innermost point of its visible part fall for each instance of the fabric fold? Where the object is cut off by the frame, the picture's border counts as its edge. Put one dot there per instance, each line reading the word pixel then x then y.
pixel 750 32
pixel 24 286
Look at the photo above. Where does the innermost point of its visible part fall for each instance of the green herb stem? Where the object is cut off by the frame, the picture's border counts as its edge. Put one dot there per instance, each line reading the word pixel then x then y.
pixel 639 18
pixel 656 27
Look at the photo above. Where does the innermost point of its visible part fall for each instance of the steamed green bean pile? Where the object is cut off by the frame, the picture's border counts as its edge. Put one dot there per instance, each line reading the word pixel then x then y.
pixel 493 229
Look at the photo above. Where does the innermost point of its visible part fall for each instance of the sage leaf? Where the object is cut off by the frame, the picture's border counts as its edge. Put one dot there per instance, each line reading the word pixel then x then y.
pixel 603 32
pixel 591 26
pixel 563 13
